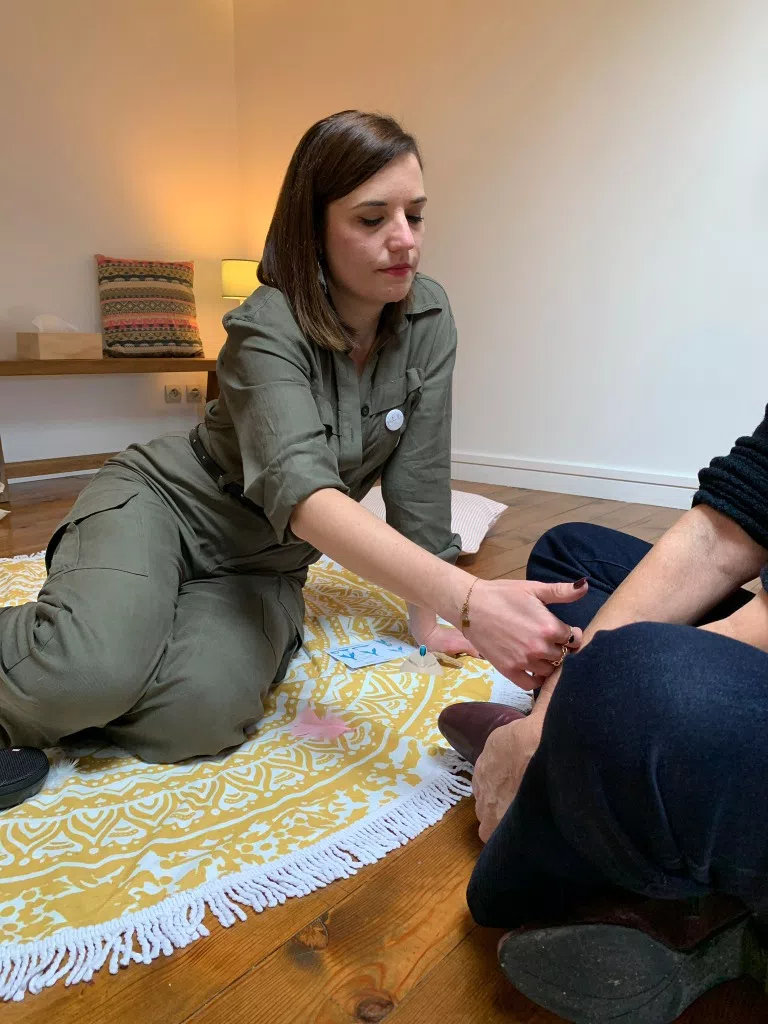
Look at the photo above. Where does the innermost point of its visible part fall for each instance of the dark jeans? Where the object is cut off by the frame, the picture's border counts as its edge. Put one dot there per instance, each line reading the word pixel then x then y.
pixel 652 773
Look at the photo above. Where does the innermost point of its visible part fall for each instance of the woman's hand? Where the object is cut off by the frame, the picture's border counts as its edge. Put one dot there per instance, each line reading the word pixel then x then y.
pixel 447 639
pixel 500 769
pixel 511 626
pixel 514 630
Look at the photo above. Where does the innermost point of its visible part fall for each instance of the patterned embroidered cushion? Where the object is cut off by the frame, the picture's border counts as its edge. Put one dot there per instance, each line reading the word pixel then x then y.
pixel 148 308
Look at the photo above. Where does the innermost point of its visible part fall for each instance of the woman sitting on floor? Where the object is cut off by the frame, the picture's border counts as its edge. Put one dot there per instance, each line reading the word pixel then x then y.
pixel 174 595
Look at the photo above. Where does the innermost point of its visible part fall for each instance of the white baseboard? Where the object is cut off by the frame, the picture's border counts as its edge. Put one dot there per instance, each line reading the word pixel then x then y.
pixel 562 477
pixel 570 478
pixel 52 476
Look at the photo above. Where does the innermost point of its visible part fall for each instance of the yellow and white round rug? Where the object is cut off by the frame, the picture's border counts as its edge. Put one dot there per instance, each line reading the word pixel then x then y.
pixel 117 861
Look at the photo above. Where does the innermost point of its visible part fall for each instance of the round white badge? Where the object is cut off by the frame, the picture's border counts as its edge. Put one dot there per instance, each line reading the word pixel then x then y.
pixel 394 420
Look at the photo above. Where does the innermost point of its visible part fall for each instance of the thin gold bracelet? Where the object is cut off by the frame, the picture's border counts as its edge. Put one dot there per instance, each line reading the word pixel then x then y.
pixel 465 623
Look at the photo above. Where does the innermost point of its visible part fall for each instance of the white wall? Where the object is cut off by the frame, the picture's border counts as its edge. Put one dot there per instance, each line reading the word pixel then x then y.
pixel 598 180
pixel 117 131
pixel 598 175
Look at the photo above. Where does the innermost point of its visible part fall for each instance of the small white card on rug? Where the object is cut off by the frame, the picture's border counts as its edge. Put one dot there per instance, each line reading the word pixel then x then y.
pixel 370 652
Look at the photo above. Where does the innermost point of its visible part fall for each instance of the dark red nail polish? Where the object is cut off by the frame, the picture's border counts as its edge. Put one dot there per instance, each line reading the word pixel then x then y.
pixel 580 583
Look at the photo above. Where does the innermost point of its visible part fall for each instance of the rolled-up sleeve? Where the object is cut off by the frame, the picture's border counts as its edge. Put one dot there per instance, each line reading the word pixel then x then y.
pixel 737 486
pixel 265 383
pixel 416 479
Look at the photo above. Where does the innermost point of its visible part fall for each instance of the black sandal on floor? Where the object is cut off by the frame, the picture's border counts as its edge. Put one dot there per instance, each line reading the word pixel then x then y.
pixel 23 771
pixel 641 967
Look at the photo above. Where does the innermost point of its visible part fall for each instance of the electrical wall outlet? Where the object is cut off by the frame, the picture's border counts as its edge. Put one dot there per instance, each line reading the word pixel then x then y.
pixel 172 393
pixel 194 393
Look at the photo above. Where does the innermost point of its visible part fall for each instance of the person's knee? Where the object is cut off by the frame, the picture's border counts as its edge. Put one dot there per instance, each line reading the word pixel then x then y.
pixel 564 544
pixel 95 687
pixel 69 678
pixel 559 538
pixel 626 688
pixel 564 535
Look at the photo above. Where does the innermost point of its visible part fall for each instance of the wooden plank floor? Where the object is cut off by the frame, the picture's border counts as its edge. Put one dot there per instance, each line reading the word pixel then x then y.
pixel 396 941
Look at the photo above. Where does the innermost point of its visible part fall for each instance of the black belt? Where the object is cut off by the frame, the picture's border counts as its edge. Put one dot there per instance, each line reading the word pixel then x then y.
pixel 217 474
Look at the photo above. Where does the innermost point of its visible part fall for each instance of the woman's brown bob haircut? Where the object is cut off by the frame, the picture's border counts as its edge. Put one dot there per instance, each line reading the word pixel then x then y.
pixel 333 158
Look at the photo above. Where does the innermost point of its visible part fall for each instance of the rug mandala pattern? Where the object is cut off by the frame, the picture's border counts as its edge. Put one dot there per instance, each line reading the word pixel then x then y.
pixel 119 837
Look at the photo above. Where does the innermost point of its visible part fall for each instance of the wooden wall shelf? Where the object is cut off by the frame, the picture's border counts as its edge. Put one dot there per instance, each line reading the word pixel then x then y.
pixel 76 367
pixel 60 367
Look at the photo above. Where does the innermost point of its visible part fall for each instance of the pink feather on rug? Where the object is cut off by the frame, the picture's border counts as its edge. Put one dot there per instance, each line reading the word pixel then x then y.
pixel 307 725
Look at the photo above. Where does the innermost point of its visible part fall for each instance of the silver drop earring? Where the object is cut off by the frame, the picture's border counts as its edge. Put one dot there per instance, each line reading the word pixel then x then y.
pixel 321 277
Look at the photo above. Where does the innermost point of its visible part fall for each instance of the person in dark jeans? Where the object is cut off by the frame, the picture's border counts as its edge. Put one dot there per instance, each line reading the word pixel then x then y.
pixel 632 864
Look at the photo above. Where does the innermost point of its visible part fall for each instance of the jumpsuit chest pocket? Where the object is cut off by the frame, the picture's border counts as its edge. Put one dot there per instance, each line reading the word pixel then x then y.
pixel 389 409
pixel 104 530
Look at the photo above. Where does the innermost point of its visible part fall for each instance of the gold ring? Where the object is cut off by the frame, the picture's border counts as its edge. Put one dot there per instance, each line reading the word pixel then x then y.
pixel 557 664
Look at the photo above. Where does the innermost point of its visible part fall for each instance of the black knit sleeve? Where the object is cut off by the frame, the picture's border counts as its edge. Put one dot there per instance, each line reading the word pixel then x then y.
pixel 737 485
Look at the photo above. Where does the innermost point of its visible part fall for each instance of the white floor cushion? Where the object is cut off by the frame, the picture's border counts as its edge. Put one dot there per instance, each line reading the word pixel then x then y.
pixel 472 515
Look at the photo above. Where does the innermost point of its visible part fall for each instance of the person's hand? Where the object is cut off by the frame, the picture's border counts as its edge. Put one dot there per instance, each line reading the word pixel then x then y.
pixel 515 631
pixel 500 769
pixel 448 640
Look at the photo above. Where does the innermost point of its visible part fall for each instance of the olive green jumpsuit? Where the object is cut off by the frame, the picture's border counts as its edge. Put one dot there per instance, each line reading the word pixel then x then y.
pixel 170 607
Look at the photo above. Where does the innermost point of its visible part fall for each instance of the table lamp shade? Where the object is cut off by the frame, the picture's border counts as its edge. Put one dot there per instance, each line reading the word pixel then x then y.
pixel 238 278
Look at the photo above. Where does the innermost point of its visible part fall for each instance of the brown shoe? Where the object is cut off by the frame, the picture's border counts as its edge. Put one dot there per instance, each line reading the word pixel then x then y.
pixel 468 726
pixel 637 960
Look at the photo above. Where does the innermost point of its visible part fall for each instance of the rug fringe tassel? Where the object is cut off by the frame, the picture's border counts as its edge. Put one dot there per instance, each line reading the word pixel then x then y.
pixel 76 954
pixel 26 558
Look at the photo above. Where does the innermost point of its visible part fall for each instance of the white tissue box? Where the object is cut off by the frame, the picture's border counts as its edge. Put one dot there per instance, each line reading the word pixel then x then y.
pixel 58 345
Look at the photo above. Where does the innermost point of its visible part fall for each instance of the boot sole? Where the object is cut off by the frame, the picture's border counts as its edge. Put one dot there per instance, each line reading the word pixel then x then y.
pixel 595 973
pixel 13 797
pixel 23 772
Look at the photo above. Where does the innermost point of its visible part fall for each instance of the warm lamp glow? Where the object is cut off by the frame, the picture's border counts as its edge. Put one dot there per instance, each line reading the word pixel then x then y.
pixel 238 278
